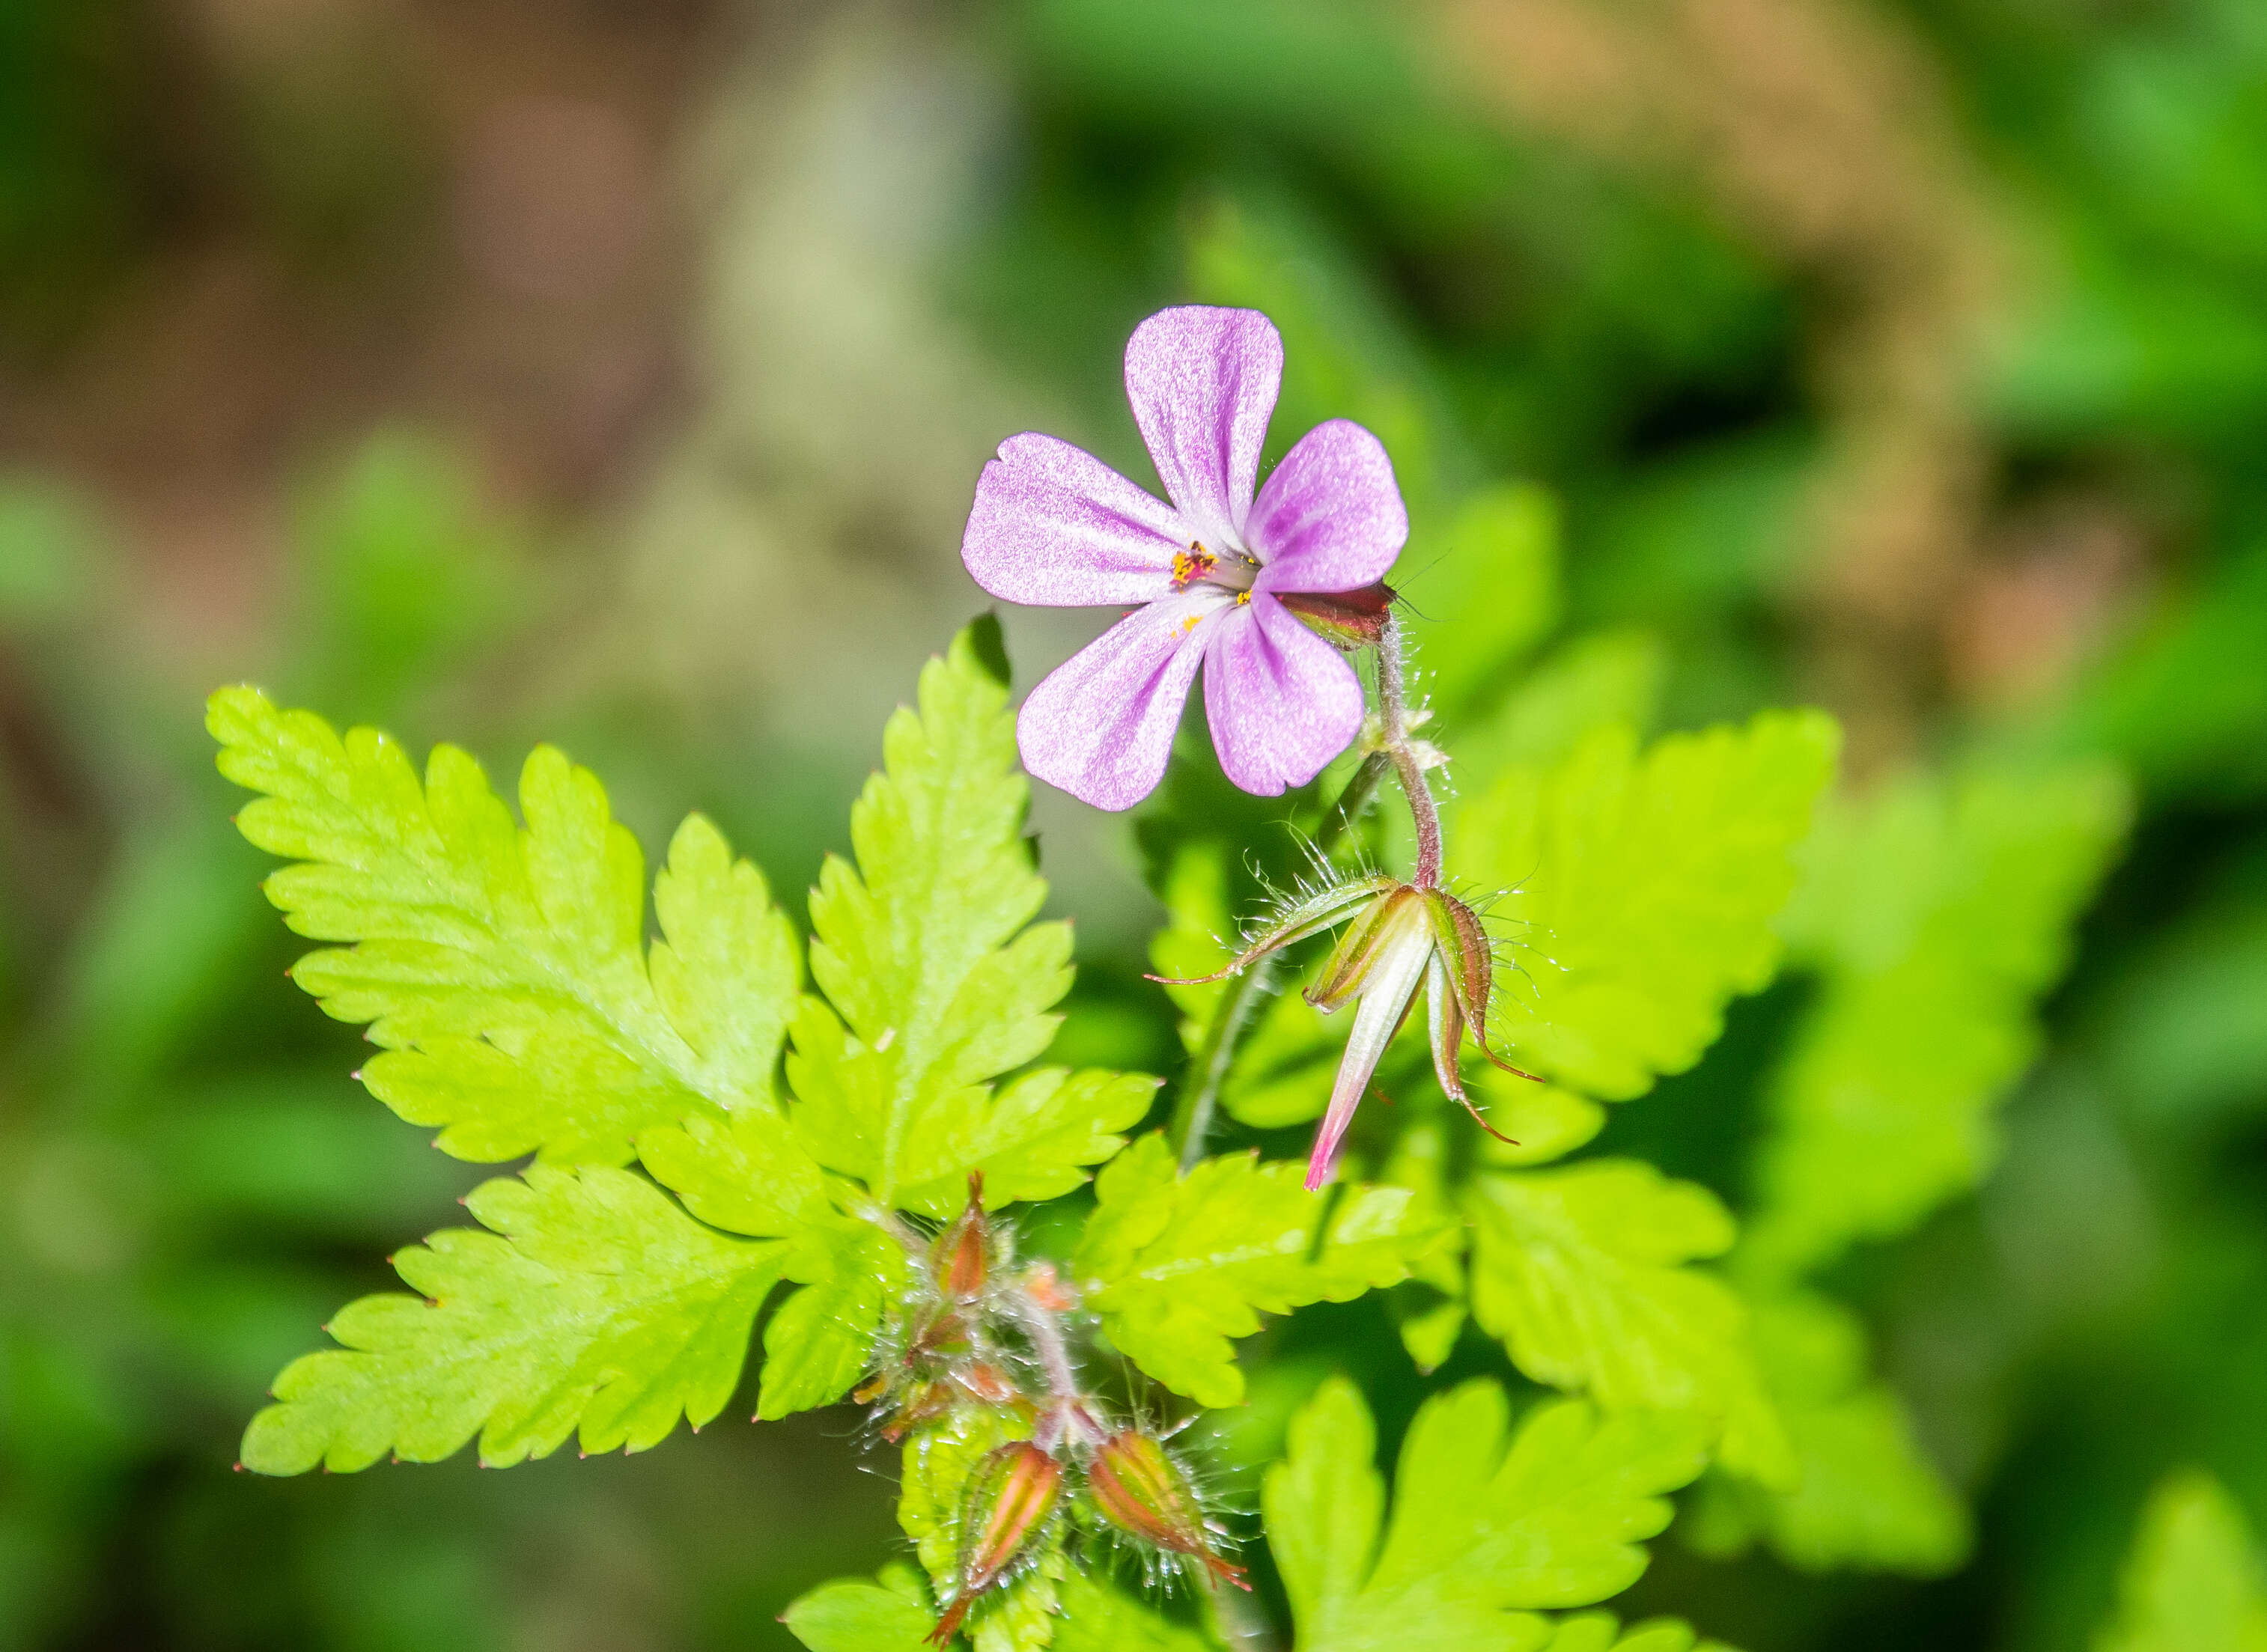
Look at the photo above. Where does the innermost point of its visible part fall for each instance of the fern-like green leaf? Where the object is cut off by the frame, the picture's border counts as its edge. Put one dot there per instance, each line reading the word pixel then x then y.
pixel 1584 1273
pixel 1936 915
pixel 503 970
pixel 2193 1578
pixel 594 1303
pixel 1488 1524
pixel 934 984
pixel 1176 1266
pixel 1641 888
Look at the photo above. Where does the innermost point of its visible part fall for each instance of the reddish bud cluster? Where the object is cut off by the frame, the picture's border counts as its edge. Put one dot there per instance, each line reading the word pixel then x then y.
pixel 976 1329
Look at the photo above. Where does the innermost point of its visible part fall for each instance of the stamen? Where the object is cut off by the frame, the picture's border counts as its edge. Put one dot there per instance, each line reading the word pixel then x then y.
pixel 1192 564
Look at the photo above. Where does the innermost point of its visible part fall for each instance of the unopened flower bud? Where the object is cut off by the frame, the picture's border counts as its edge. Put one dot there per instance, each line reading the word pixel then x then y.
pixel 921 1403
pixel 1011 1495
pixel 1345 619
pixel 1144 1493
pixel 961 1259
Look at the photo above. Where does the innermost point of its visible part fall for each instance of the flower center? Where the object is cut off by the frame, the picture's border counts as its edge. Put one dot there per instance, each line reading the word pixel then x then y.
pixel 1232 571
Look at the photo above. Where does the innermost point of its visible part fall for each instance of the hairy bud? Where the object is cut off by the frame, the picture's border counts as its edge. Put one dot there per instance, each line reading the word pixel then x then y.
pixel 1145 1493
pixel 1347 620
pixel 1011 1495
pixel 961 1258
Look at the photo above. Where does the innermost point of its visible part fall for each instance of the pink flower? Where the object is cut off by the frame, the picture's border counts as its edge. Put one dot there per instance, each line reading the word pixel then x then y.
pixel 1055 527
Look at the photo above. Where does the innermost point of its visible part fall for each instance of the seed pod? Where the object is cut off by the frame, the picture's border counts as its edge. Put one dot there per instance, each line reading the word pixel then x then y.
pixel 1144 1493
pixel 1010 1496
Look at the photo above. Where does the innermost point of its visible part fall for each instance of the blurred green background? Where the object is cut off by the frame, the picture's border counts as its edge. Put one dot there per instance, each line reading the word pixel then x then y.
pixel 616 372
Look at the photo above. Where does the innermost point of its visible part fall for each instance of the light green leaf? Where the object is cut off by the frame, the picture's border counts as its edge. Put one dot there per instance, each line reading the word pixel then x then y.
pixel 1866 1495
pixel 1325 1504
pixel 1488 1524
pixel 1600 1631
pixel 2192 1580
pixel 852 1615
pixel 933 983
pixel 1937 915
pixel 1641 890
pixel 1098 1617
pixel 502 969
pixel 1176 1266
pixel 594 1303
pixel 1279 1072
pixel 743 1173
pixel 1429 1306
pixel 822 1339
pixel 1583 1273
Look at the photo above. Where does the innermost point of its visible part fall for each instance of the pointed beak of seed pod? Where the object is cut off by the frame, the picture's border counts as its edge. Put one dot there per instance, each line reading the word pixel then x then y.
pixel 1378 962
pixel 1403 937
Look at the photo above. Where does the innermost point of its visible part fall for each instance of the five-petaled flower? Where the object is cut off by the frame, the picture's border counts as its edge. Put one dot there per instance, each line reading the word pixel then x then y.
pixel 1055 527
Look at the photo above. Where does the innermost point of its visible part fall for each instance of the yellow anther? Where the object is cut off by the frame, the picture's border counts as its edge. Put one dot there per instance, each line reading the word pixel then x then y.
pixel 1192 564
pixel 1241 598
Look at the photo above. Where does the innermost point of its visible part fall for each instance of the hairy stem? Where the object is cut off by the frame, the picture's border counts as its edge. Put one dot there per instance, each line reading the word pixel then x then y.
pixel 1039 1324
pixel 1199 1097
pixel 1393 712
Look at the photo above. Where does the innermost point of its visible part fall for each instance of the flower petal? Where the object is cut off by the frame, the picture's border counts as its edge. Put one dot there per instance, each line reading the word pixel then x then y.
pixel 1203 383
pixel 1330 517
pixel 1281 701
pixel 1101 725
pixel 1055 527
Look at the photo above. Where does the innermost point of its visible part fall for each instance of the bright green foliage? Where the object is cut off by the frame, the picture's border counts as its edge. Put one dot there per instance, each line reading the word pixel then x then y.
pixel 1010 1618
pixel 1584 1272
pixel 1866 1497
pixel 891 1614
pixel 1642 890
pixel 1097 1618
pixel 594 1302
pixel 1176 1266
pixel 1487 1525
pixel 2192 1581
pixel 852 1615
pixel 1280 1072
pixel 505 972
pixel 935 983
pixel 1937 915
pixel 1599 1631
pixel 502 970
